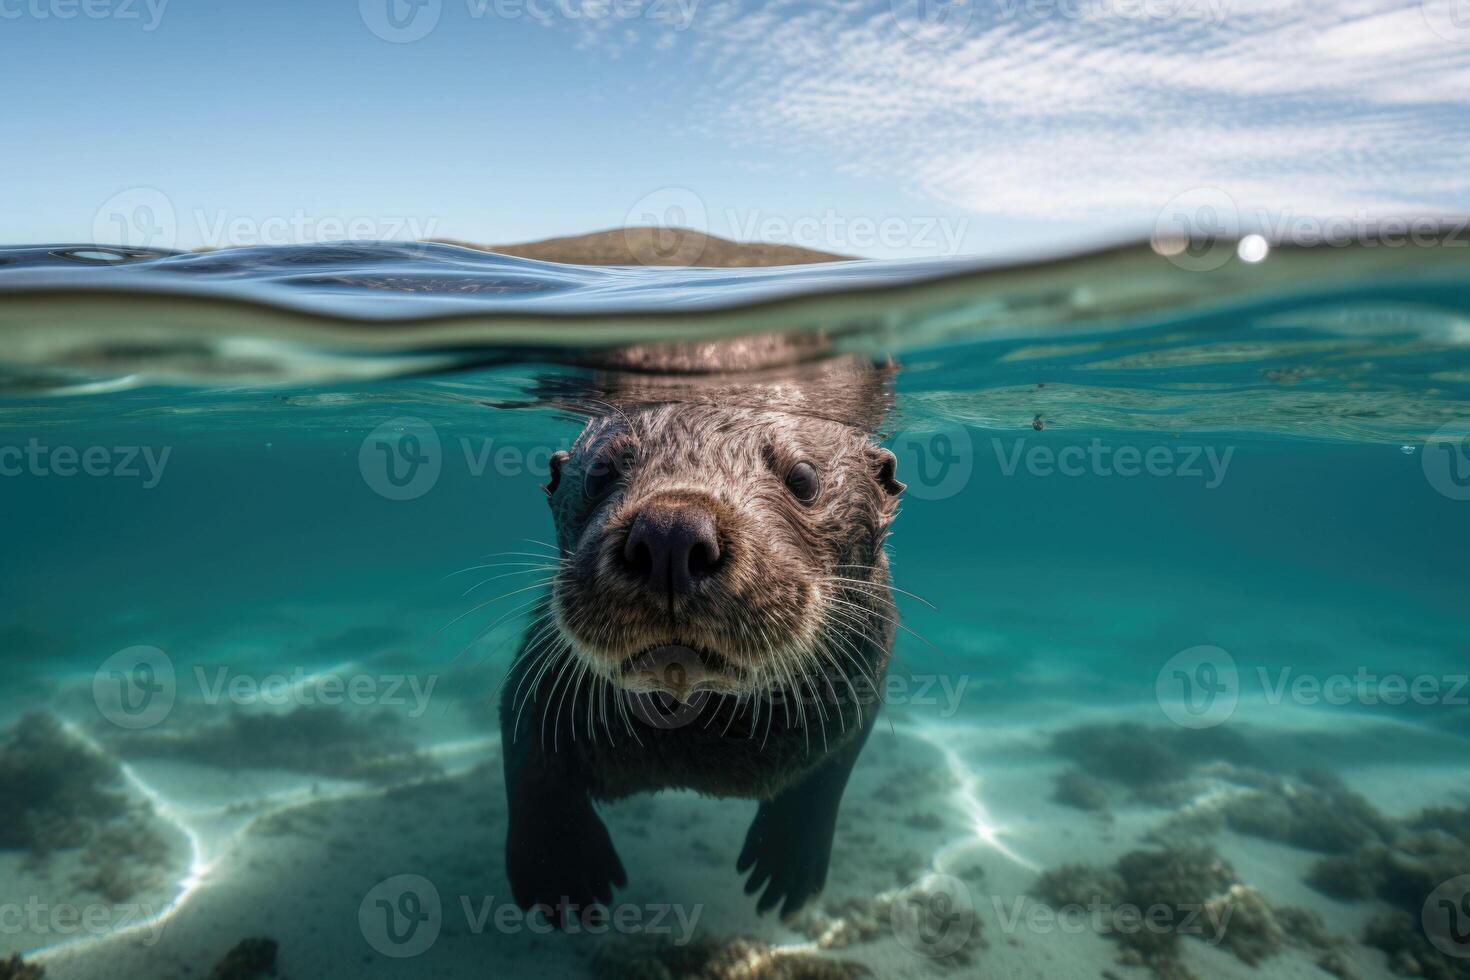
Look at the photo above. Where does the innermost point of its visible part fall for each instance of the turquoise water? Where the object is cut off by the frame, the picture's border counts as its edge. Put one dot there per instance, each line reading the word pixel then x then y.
pixel 1184 567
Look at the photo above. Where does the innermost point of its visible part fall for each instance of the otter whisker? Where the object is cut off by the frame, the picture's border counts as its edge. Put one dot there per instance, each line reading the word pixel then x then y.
pixel 592 690
pixel 857 701
pixel 572 714
pixel 547 658
pixel 536 664
pixel 734 710
pixel 540 556
pixel 788 681
pixel 853 656
pixel 604 691
pixel 779 669
pixel 579 668
pixel 513 611
pixel 878 590
pixel 562 673
pixel 766 737
pixel 489 602
pixel 502 564
pixel 895 623
pixel 808 660
pixel 821 671
pixel 794 670
pixel 625 713
pixel 530 647
pixel 528 571
pixel 755 714
pixel 541 664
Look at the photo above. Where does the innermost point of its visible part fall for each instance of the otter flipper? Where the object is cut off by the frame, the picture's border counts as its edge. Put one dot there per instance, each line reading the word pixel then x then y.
pixel 558 854
pixel 789 844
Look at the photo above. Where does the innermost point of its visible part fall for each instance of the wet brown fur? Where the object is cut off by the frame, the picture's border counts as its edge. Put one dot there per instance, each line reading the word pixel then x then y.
pixel 773 617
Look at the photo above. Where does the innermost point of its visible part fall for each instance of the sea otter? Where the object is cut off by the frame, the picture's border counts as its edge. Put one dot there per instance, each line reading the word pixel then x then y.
pixel 720 606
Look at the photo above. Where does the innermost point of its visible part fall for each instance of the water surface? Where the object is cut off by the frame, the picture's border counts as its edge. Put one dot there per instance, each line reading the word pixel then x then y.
pixel 1185 540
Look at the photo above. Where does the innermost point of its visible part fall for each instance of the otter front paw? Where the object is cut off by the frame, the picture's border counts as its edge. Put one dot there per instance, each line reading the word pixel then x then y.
pixel 787 849
pixel 560 858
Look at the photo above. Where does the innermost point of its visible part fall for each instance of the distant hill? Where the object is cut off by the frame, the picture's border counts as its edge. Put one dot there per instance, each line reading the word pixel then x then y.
pixel 658 246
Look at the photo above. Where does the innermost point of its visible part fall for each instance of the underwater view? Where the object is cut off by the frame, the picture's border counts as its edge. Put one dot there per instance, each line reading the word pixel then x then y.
pixel 395 609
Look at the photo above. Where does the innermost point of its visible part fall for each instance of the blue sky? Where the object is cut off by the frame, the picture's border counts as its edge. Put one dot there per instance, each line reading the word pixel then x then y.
pixel 902 128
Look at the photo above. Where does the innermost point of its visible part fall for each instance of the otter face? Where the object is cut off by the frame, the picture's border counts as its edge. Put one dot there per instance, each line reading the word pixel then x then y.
pixel 751 538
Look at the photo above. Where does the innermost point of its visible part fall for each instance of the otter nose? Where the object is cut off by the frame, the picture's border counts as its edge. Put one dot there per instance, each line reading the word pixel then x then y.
pixel 672 547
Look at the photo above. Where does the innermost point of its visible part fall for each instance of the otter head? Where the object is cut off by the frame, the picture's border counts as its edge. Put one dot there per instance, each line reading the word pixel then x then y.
pixel 750 541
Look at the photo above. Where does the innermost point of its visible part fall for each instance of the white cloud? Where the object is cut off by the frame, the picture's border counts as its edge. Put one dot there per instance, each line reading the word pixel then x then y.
pixel 1103 108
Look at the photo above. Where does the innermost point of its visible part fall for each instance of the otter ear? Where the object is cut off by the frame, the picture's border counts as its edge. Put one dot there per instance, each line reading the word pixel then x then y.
pixel 557 459
pixel 885 468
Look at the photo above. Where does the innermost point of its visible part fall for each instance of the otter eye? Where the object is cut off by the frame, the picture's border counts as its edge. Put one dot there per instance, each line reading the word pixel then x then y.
pixel 802 481
pixel 558 459
pixel 606 471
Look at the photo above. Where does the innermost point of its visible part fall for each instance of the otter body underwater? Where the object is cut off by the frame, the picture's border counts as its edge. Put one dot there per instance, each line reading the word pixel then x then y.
pixel 721 598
